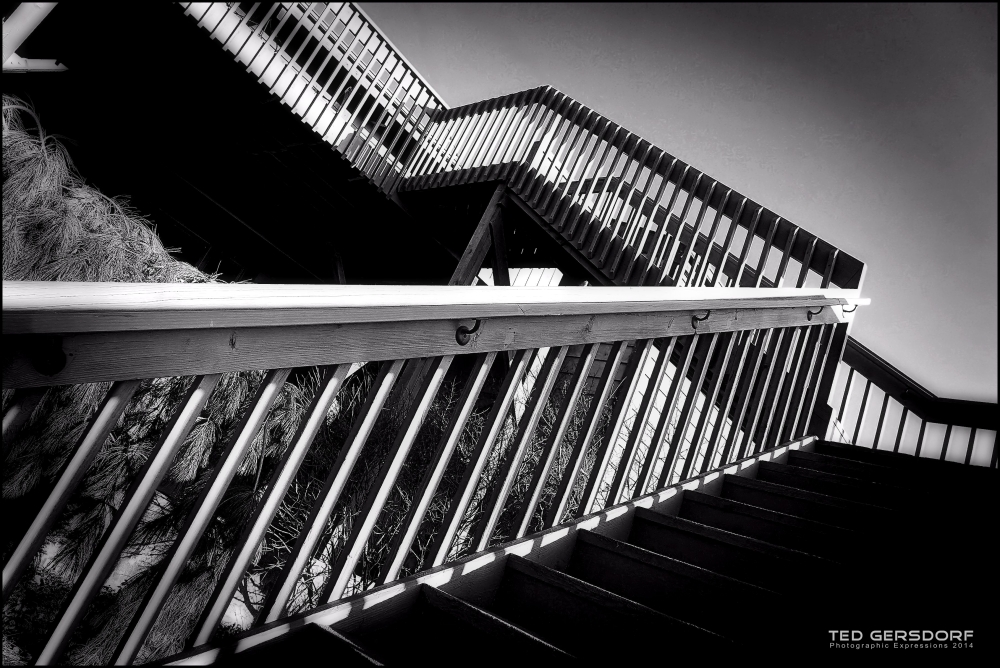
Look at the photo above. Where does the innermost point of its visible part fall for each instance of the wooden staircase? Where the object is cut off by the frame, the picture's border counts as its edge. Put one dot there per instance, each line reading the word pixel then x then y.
pixel 835 537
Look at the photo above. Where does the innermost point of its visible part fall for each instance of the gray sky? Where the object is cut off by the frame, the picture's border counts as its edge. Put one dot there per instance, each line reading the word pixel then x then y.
pixel 873 126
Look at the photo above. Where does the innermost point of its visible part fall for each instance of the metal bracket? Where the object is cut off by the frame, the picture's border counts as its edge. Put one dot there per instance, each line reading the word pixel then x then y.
pixel 695 319
pixel 810 314
pixel 852 310
pixel 463 333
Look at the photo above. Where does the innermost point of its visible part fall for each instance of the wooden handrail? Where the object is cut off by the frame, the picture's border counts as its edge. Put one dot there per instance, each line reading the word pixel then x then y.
pixel 41 307
pixel 913 396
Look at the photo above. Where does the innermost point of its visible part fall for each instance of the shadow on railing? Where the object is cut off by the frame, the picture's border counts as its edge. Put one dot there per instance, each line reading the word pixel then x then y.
pixel 277 490
pixel 619 199
pixel 911 419
pixel 336 71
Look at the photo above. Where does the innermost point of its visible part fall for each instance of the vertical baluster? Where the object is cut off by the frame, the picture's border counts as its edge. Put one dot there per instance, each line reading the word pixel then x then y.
pixel 600 133
pixel 358 139
pixel 447 147
pixel 567 119
pixel 346 65
pixel 282 478
pixel 617 223
pixel 631 224
pixel 761 338
pixel 766 250
pixel 333 487
pixel 769 391
pixel 342 61
pixel 581 131
pixel 298 51
pixel 126 517
pixel 199 518
pixel 701 265
pixel 783 264
pixel 633 374
pixel 902 429
pixel 861 415
pixel 490 137
pixel 756 393
pixel 481 117
pixel 711 397
pixel 375 162
pixel 497 497
pixel 421 165
pixel 881 420
pixel 505 135
pixel 661 234
pixel 522 131
pixel 972 443
pixel 920 438
pixel 552 444
pixel 422 497
pixel 646 405
pixel 694 235
pixel 789 372
pixel 656 444
pixel 445 536
pixel 577 232
pixel 807 382
pixel 554 110
pixel 727 402
pixel 671 249
pixel 266 40
pixel 86 449
pixel 360 93
pixel 806 262
pixel 22 405
pixel 673 456
pixel 343 567
pixel 745 251
pixel 605 386
pixel 848 388
pixel 420 118
pixel 326 58
pixel 947 440
pixel 272 40
pixel 651 221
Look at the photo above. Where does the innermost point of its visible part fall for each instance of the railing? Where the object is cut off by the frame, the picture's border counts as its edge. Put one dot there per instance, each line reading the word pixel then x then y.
pixel 514 450
pixel 910 418
pixel 330 64
pixel 619 199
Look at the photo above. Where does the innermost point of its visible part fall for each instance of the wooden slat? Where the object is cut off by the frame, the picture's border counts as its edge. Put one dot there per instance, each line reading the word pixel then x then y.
pixel 445 535
pixel 22 405
pixel 554 441
pixel 638 430
pixel 199 518
pixel 127 516
pixel 333 486
pixel 424 494
pixel 585 435
pixel 284 474
pixel 86 449
pixel 496 499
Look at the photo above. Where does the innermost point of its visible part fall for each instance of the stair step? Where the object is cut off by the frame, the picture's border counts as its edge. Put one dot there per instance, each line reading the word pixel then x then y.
pixel 839 512
pixel 673 587
pixel 852 468
pixel 747 559
pixel 834 485
pixel 770 526
pixel 928 467
pixel 311 640
pixel 587 621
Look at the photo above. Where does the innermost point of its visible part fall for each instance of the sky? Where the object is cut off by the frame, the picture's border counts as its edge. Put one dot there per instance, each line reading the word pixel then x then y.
pixel 872 126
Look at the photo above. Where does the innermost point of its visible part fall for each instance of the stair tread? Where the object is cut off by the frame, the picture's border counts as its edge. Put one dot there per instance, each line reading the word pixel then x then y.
pixel 564 611
pixel 792 531
pixel 871 493
pixel 674 587
pixel 849 513
pixel 730 537
pixel 310 640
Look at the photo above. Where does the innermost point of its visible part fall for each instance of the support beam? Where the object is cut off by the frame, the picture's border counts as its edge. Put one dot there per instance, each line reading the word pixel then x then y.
pixel 21 24
pixel 475 251
pixel 17 65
